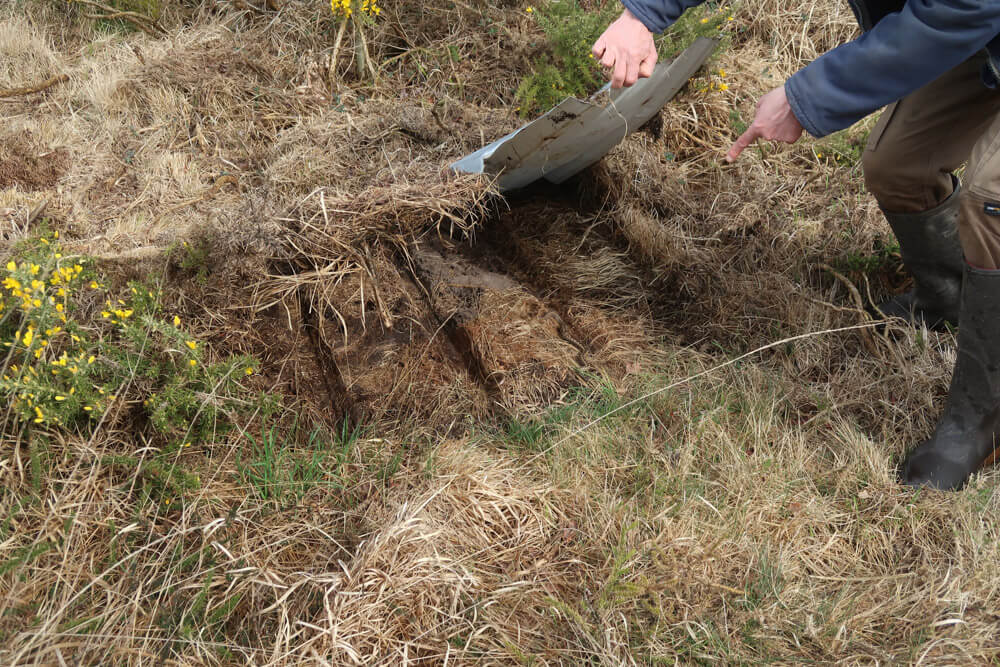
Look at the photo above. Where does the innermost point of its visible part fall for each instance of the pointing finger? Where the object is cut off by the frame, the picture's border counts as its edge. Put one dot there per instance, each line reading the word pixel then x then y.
pixel 745 139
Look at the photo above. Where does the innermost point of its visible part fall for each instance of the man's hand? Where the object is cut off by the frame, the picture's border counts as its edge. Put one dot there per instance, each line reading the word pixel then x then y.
pixel 774 121
pixel 626 49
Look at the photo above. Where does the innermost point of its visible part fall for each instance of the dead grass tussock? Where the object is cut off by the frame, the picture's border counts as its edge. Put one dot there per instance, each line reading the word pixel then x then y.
pixel 303 583
pixel 499 531
pixel 27 56
pixel 796 35
pixel 354 191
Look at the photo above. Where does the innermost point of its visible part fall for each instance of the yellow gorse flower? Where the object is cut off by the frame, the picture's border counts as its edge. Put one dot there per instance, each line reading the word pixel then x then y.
pixel 346 8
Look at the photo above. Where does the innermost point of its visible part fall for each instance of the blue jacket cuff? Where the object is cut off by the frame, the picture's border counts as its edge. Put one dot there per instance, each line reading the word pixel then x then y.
pixel 796 100
pixel 641 11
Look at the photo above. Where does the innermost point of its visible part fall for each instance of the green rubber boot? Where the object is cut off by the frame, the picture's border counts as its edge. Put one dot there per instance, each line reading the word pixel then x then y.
pixel 969 430
pixel 931 252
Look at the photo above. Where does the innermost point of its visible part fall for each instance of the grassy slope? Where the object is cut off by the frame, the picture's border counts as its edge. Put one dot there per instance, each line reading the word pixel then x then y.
pixel 725 510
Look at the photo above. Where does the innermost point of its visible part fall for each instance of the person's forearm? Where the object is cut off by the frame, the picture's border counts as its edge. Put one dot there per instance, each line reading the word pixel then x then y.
pixel 658 15
pixel 902 53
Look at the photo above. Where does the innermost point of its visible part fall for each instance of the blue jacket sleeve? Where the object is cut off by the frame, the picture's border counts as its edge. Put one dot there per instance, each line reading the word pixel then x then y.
pixel 658 15
pixel 902 53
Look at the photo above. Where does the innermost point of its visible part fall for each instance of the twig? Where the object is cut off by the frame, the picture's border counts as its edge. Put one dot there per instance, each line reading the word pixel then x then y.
pixel 336 48
pixel 868 292
pixel 361 57
pixel 360 47
pixel 36 212
pixel 145 23
pixel 866 335
pixel 28 90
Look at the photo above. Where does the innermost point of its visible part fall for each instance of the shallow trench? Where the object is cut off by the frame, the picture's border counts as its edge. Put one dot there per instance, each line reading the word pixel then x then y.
pixel 541 297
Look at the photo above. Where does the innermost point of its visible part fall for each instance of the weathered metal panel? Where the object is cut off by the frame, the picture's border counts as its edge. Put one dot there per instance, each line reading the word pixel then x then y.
pixel 577 133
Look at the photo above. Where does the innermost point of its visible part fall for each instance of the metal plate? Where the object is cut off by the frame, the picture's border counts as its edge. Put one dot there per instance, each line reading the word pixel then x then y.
pixel 576 133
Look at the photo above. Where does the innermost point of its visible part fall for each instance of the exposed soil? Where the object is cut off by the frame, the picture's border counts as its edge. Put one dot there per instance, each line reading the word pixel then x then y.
pixel 494 323
pixel 26 164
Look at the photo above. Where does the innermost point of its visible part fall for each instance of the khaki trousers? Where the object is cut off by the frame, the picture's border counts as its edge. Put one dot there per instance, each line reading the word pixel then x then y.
pixel 920 140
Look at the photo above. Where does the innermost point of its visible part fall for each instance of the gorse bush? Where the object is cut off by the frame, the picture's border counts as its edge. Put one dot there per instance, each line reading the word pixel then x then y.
pixel 712 19
pixel 49 376
pixel 569 67
pixel 362 14
pixel 72 348
pixel 186 399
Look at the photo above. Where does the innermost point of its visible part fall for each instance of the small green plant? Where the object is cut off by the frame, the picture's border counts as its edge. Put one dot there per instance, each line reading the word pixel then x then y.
pixel 196 257
pixel 842 148
pixel 278 470
pixel 884 254
pixel 528 434
pixel 768 583
pixel 736 120
pixel 123 15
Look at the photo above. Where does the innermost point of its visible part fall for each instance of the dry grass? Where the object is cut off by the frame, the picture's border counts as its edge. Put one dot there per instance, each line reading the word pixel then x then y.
pixel 747 515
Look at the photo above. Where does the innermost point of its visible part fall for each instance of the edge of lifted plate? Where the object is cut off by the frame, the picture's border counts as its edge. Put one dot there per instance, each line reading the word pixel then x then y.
pixel 577 133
